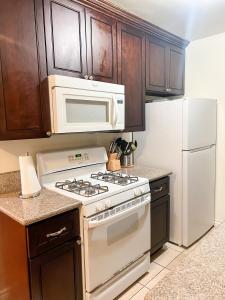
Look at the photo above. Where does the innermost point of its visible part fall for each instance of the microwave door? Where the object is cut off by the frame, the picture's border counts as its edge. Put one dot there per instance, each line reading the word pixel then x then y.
pixel 82 111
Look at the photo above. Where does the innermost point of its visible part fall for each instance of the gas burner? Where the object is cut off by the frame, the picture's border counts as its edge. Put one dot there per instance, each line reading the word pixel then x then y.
pixel 115 178
pixel 81 187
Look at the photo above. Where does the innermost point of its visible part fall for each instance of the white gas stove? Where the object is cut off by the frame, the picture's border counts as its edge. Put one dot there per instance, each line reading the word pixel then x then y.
pixel 115 217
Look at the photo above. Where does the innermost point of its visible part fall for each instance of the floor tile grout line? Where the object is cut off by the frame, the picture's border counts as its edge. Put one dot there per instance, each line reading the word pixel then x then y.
pixel 137 292
pixel 154 277
pixel 171 260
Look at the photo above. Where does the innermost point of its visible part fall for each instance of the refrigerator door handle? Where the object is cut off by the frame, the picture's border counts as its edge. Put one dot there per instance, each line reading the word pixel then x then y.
pixel 200 149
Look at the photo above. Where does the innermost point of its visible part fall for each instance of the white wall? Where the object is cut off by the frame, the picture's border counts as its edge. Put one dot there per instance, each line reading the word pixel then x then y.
pixel 10 150
pixel 205 77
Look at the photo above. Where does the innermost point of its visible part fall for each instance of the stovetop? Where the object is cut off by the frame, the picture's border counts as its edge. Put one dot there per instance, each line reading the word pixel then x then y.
pixel 89 189
pixel 81 174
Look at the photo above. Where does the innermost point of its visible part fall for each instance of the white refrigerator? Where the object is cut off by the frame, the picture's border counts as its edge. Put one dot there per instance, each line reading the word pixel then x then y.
pixel 181 136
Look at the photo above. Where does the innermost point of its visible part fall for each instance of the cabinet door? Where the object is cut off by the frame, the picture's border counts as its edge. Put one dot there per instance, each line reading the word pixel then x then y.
pixel 101 46
pixel 131 73
pixel 65 37
pixel 176 68
pixel 160 211
pixel 155 65
pixel 20 90
pixel 56 275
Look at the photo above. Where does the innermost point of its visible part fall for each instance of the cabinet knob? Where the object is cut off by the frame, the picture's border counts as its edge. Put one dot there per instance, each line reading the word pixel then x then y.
pixel 85 76
pixel 91 77
pixel 48 133
pixel 78 242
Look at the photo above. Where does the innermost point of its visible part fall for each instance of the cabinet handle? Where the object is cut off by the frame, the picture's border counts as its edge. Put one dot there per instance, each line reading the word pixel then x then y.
pixel 158 190
pixel 57 233
pixel 91 77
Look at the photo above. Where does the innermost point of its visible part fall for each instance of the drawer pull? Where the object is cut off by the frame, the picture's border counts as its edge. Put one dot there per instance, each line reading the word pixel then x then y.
pixel 57 233
pixel 158 190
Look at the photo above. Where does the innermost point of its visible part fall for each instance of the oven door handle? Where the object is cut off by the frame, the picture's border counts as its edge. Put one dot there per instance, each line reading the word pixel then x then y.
pixel 94 224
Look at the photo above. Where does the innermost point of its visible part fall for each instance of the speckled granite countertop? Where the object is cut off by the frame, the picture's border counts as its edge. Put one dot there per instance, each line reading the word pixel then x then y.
pixel 49 203
pixel 30 211
pixel 147 172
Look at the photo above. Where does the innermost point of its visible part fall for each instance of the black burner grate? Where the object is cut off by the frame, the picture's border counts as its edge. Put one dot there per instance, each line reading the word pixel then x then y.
pixel 81 187
pixel 115 178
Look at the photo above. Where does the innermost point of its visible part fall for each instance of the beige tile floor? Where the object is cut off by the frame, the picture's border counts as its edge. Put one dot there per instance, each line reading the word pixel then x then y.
pixel 160 266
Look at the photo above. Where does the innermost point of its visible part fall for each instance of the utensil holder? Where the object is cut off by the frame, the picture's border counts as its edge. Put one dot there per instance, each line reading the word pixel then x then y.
pixel 113 163
pixel 127 161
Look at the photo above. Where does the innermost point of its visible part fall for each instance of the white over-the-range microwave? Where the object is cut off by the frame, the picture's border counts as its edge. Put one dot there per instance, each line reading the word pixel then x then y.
pixel 79 105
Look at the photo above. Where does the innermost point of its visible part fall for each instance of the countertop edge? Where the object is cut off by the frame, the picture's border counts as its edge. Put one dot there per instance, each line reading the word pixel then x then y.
pixel 161 176
pixel 43 217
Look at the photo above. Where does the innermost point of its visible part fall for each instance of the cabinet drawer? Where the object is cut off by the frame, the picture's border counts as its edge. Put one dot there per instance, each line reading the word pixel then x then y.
pixel 159 188
pixel 52 232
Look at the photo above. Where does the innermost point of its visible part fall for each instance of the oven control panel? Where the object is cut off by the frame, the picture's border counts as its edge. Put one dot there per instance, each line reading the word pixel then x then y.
pixel 78 157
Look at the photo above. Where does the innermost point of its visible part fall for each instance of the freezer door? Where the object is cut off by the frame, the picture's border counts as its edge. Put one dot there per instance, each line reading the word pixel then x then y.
pixel 198 193
pixel 199 123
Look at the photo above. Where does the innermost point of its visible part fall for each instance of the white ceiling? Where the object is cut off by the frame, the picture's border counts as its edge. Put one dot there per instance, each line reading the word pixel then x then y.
pixel 190 19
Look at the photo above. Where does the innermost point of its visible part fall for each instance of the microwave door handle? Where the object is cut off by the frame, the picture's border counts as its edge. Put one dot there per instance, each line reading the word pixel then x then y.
pixel 115 111
pixel 94 224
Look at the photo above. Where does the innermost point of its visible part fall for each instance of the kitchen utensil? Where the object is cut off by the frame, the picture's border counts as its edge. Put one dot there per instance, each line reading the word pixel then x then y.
pixel 127 161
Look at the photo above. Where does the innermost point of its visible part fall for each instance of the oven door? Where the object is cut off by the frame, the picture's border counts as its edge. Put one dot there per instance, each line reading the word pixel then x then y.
pixel 114 239
pixel 76 110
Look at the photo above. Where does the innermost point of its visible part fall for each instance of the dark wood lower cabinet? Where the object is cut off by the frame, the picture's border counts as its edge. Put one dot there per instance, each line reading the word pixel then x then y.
pixel 51 272
pixel 160 214
pixel 55 274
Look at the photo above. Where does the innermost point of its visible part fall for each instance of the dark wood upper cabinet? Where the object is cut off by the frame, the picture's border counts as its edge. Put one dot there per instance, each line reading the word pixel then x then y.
pixel 21 95
pixel 101 46
pixel 77 38
pixel 164 67
pixel 131 73
pixel 65 38
pixel 155 65
pixel 176 70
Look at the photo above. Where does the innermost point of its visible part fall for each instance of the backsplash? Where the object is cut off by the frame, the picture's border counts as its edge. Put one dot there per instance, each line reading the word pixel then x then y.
pixel 9 182
pixel 11 150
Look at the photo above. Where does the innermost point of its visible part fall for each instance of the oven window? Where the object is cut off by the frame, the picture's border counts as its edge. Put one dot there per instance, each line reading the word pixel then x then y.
pixel 122 228
pixel 87 111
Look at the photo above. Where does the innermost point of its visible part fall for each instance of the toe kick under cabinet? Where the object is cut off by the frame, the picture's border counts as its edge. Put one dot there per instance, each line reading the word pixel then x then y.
pixel 160 213
pixel 41 261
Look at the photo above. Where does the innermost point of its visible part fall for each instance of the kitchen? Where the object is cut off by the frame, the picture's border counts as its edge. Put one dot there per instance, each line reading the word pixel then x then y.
pixel 75 76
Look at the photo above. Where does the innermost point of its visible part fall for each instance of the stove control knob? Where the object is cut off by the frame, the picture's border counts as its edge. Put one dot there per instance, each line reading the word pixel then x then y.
pixel 137 192
pixel 100 207
pixel 143 190
pixel 107 203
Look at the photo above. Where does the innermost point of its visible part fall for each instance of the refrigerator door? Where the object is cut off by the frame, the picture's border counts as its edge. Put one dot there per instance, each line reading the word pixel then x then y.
pixel 199 123
pixel 198 193
pixel 160 146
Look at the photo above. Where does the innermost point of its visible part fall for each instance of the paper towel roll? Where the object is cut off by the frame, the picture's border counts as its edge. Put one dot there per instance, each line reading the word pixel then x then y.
pixel 29 182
